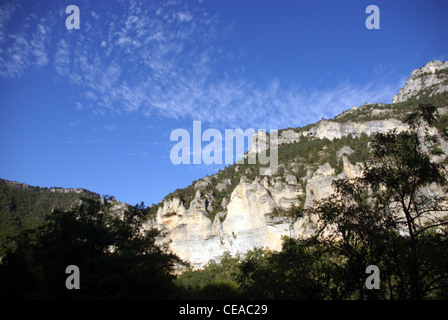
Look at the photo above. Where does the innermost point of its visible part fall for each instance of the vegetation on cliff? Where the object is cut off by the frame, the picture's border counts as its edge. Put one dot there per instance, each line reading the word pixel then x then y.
pixel 382 218
pixel 311 152
pixel 24 207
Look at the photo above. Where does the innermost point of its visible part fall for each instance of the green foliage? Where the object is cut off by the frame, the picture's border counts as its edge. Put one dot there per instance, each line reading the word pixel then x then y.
pixel 294 212
pixel 184 194
pixel 367 217
pixel 376 219
pixel 25 208
pixel 307 152
pixel 314 151
pixel 299 129
pixel 436 150
pixel 397 111
pixel 116 260
pixel 442 123
pixel 301 270
pixel 370 212
pixel 214 281
pixel 311 152
pixel 151 211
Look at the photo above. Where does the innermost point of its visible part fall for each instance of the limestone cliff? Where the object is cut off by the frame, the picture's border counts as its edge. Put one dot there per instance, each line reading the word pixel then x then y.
pixel 432 78
pixel 237 209
pixel 247 220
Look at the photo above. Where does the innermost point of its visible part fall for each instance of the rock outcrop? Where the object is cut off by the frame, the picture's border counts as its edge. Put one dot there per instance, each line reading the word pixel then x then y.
pixel 248 220
pixel 197 231
pixel 433 77
pixel 246 224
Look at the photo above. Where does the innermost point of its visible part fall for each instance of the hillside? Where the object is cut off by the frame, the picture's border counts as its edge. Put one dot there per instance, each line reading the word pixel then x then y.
pixel 24 207
pixel 237 209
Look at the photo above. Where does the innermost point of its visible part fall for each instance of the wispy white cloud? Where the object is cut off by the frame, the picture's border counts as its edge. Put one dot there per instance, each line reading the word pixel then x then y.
pixel 25 47
pixel 110 127
pixel 160 59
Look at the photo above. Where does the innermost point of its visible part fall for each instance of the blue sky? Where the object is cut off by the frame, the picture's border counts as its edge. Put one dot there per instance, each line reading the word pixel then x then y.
pixel 95 107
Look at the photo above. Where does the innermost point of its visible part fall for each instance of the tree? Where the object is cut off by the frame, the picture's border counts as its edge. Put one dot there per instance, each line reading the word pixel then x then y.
pixel 406 170
pixel 301 270
pixel 116 259
pixel 390 214
pixel 216 280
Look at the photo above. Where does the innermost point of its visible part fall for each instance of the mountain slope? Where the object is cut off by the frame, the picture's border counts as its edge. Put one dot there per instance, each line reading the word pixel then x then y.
pixel 24 207
pixel 237 209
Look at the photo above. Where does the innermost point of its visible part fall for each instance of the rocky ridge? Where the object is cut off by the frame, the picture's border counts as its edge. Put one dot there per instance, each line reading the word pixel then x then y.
pixel 115 207
pixel 432 78
pixel 249 212
pixel 238 209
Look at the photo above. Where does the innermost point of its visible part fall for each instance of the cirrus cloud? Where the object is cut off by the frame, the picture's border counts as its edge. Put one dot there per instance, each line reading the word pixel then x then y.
pixel 161 59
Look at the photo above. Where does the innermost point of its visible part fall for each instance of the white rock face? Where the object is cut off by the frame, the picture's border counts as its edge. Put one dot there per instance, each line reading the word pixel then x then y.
pixel 427 77
pixel 259 142
pixel 289 136
pixel 246 221
pixel 336 130
pixel 332 130
pixel 196 239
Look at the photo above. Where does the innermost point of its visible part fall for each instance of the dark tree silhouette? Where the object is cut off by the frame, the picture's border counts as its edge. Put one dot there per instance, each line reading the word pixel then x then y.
pixel 116 259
